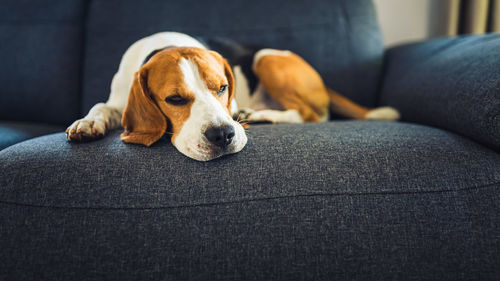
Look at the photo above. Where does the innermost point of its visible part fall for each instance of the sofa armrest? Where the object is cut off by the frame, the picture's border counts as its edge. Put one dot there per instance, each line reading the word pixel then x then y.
pixel 450 83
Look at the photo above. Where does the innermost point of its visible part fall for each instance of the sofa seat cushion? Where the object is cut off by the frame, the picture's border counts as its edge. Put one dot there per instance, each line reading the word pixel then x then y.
pixel 14 132
pixel 343 200
pixel 345 157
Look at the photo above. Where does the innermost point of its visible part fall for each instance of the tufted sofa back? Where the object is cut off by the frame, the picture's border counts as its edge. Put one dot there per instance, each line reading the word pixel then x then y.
pixel 41 48
pixel 61 56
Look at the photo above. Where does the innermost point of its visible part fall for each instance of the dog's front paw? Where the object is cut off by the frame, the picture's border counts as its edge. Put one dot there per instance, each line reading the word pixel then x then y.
pixel 86 130
pixel 243 114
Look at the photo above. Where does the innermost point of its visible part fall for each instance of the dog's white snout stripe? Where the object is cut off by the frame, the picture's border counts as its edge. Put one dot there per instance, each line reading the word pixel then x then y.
pixel 205 105
pixel 206 111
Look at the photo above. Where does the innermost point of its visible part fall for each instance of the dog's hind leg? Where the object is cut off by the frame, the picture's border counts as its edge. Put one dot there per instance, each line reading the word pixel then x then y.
pixel 270 115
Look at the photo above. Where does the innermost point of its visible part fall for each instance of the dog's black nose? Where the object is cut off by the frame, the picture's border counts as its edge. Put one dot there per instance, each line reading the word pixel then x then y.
pixel 220 136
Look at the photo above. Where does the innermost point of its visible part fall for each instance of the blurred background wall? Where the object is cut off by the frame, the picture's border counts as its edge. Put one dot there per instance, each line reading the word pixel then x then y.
pixel 413 20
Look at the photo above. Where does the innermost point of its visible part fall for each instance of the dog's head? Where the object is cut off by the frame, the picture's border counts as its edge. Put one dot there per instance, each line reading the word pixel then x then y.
pixel 186 92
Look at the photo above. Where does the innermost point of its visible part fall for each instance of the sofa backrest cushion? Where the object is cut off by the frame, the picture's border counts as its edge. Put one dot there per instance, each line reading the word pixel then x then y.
pixel 340 38
pixel 40 51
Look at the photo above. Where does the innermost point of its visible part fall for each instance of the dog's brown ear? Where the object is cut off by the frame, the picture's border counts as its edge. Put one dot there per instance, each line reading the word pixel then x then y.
pixel 143 121
pixel 230 81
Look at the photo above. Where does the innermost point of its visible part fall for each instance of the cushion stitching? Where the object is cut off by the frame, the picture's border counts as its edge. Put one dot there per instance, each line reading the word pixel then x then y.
pixel 256 199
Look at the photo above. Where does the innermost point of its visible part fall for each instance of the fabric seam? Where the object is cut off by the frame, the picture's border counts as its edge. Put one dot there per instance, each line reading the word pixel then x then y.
pixel 255 200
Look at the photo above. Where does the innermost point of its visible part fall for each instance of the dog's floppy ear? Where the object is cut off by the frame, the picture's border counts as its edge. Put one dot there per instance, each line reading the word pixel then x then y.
pixel 230 81
pixel 143 121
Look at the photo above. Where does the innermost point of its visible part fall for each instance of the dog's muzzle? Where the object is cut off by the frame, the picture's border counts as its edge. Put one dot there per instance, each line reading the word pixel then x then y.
pixel 220 136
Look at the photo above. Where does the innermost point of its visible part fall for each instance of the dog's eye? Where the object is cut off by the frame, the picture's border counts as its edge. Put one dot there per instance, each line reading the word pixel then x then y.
pixel 176 100
pixel 221 90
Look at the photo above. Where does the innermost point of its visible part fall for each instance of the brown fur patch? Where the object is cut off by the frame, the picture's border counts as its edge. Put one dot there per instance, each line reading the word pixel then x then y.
pixel 144 123
pixel 295 84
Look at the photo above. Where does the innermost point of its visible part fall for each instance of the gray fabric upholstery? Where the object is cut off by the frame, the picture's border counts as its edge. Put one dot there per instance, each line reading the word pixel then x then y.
pixel 451 83
pixel 41 53
pixel 353 200
pixel 281 160
pixel 340 38
pixel 14 132
pixel 333 201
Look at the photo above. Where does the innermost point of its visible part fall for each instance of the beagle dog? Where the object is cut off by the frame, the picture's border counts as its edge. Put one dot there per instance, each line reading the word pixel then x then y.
pixel 171 83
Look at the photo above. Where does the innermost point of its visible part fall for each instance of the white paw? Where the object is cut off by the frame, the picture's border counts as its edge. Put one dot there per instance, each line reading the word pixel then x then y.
pixel 86 130
pixel 276 116
pixel 292 116
pixel 243 114
pixel 382 113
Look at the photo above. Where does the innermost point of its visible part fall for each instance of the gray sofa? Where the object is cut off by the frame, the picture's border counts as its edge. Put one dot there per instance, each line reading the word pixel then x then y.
pixel 343 200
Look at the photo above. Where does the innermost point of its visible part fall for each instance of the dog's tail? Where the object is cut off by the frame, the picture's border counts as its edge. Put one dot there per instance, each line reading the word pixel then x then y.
pixel 346 108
